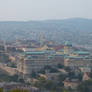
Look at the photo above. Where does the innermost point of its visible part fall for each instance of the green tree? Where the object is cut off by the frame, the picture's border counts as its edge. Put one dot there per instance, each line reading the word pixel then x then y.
pixel 33 74
pixel 53 70
pixel 85 86
pixel 21 80
pixel 67 69
pixel 1 89
pixel 47 67
pixel 41 82
pixel 60 66
pixel 62 77
pixel 13 78
pixel 91 74
pixel 60 89
pixel 18 90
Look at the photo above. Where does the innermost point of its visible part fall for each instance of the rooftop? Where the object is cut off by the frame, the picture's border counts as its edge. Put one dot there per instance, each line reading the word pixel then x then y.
pixel 76 57
pixel 34 52
pixel 81 52
pixel 68 43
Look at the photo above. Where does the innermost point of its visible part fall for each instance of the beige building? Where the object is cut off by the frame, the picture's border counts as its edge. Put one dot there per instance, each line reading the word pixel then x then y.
pixel 86 76
pixel 77 61
pixel 71 83
pixel 34 61
pixel 68 48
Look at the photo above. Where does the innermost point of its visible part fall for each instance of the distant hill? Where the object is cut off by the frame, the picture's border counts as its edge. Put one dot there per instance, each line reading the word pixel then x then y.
pixel 77 30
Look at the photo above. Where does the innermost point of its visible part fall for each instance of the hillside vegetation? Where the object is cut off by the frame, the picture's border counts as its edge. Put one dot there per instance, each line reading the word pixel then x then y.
pixel 77 30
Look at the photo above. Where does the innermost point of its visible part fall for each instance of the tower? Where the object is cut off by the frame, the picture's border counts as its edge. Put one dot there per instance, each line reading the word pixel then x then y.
pixel 68 48
pixel 42 39
pixel 5 47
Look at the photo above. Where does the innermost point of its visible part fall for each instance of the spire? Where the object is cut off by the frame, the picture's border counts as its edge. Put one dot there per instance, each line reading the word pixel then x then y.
pixel 5 47
pixel 42 39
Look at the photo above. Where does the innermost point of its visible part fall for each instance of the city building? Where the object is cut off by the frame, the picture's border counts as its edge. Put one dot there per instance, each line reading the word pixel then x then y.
pixel 68 48
pixel 34 61
pixel 77 61
pixel 86 76
pixel 73 84
pixel 13 86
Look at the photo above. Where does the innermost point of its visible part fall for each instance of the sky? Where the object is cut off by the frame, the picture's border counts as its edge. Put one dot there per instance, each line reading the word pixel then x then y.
pixel 11 10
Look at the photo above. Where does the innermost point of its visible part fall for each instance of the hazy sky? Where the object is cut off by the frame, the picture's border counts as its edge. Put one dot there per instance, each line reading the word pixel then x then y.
pixel 44 9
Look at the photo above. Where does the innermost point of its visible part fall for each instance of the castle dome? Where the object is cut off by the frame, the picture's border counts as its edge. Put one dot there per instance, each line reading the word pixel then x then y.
pixel 68 43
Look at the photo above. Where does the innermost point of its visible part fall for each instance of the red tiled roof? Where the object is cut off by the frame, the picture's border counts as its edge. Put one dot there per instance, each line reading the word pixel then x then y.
pixel 59 47
pixel 87 74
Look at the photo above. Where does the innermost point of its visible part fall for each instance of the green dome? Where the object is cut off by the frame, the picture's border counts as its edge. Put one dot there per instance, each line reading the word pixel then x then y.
pixel 68 43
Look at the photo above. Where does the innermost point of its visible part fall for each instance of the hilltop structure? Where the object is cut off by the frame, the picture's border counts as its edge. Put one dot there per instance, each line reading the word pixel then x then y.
pixel 34 61
pixel 37 59
pixel 68 48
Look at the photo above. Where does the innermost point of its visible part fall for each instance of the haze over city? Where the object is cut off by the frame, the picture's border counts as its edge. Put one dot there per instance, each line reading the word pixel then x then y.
pixel 45 45
pixel 22 10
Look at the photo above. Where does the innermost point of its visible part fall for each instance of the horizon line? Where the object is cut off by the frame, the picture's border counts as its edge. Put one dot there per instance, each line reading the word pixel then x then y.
pixel 44 19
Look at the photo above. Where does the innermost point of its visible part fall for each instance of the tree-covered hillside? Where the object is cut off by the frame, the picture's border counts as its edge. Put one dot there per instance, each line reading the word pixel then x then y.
pixel 77 30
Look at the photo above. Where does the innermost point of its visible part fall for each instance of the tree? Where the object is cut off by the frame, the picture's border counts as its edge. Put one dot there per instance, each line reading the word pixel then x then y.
pixel 1 89
pixel 80 75
pixel 47 67
pixel 91 74
pixel 53 70
pixel 13 78
pixel 40 83
pixel 18 90
pixel 61 77
pixel 33 74
pixel 21 80
pixel 50 85
pixel 42 71
pixel 85 86
pixel 60 89
pixel 71 75
pixel 60 66
pixel 67 69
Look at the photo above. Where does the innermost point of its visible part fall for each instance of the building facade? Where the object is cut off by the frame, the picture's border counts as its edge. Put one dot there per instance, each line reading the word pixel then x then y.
pixel 34 61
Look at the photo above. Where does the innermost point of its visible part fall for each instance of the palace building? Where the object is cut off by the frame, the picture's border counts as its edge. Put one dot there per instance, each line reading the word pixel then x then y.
pixel 34 61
